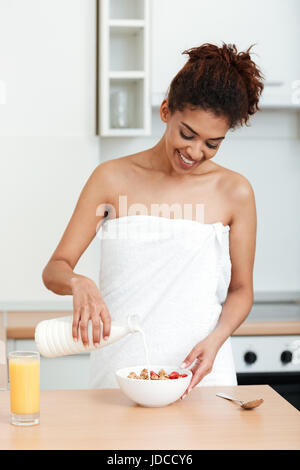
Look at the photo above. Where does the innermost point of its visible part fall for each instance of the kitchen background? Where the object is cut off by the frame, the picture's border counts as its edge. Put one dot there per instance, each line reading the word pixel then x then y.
pixel 56 127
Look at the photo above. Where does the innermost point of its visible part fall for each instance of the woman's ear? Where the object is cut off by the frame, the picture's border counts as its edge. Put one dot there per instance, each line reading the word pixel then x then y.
pixel 164 111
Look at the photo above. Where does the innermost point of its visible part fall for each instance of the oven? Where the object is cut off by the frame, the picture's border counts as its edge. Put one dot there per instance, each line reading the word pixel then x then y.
pixel 269 360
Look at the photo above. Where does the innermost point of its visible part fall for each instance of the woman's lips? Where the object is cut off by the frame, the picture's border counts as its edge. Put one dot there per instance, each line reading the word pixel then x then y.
pixel 182 163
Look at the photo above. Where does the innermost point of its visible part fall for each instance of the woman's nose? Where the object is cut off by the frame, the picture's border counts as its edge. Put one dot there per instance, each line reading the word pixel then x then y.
pixel 196 151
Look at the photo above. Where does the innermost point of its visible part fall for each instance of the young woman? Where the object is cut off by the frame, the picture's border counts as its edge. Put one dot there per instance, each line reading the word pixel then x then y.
pixel 189 277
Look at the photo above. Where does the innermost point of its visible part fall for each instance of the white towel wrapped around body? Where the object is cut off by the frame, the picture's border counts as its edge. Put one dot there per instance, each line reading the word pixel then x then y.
pixel 173 273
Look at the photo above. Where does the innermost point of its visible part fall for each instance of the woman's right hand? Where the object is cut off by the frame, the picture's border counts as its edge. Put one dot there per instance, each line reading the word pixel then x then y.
pixel 89 305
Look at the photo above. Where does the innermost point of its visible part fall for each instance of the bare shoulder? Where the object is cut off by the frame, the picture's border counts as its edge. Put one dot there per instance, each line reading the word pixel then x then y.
pixel 113 177
pixel 107 170
pixel 113 169
pixel 235 186
pixel 236 194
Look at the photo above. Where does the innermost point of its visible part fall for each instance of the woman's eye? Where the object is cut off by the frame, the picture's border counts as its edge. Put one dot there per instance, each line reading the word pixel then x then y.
pixel 211 146
pixel 191 137
pixel 185 136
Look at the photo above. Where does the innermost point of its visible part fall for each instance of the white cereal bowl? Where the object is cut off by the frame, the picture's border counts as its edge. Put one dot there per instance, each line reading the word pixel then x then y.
pixel 153 393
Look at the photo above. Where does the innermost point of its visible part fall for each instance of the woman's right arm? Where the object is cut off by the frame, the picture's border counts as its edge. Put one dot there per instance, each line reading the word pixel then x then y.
pixel 59 276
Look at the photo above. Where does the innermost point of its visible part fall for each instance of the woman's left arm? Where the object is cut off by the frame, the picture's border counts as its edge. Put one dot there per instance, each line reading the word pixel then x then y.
pixel 240 292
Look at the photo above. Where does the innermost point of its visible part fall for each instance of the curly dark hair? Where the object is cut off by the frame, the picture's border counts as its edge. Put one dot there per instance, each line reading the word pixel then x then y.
pixel 219 79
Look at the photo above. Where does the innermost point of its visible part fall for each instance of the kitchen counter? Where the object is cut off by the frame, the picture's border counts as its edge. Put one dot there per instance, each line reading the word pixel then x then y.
pixel 271 318
pixel 275 313
pixel 107 419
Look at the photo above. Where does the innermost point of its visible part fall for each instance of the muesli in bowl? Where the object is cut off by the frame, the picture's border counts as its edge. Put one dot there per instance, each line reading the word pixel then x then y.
pixel 165 386
pixel 162 375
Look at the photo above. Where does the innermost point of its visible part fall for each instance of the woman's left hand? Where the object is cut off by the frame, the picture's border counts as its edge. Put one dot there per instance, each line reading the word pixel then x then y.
pixel 204 352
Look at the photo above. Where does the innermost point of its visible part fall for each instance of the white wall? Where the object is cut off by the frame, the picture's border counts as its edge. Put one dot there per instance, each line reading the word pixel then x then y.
pixel 272 25
pixel 48 66
pixel 48 146
pixel 41 178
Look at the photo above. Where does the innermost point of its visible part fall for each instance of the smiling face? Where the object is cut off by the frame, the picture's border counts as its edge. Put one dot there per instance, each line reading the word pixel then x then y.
pixel 192 137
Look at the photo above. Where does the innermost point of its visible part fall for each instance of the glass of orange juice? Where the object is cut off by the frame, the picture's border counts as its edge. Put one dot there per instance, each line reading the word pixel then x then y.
pixel 24 375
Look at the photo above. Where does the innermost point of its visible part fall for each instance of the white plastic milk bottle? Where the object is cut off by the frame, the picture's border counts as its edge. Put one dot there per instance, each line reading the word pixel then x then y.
pixel 54 337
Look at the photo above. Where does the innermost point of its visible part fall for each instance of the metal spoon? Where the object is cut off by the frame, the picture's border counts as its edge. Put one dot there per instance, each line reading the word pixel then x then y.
pixel 247 405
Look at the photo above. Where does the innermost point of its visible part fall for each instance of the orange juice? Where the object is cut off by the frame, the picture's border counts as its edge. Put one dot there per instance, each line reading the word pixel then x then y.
pixel 24 373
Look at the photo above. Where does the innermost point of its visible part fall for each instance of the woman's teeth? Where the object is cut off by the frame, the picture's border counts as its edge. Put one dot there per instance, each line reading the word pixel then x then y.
pixel 186 160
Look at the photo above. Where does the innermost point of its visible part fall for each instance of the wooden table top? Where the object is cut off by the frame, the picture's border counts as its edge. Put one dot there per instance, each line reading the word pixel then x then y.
pixel 107 419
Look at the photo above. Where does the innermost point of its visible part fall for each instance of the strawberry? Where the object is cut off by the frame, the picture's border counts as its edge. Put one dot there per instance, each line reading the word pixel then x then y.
pixel 153 375
pixel 174 375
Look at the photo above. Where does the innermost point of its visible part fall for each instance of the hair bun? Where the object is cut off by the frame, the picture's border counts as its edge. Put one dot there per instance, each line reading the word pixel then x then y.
pixel 221 79
pixel 196 53
pixel 228 53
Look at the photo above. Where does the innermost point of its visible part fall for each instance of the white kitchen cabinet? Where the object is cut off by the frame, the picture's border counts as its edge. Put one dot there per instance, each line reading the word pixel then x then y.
pixel 48 68
pixel 273 25
pixel 60 373
pixel 125 105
